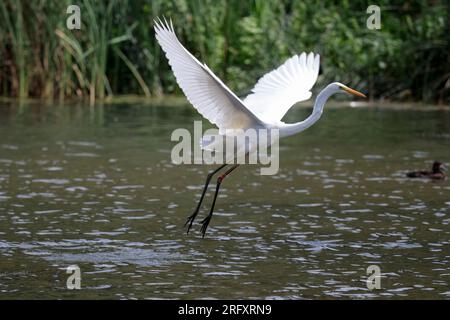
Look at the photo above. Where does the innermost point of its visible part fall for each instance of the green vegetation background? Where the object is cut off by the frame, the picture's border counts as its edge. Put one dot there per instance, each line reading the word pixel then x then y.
pixel 115 51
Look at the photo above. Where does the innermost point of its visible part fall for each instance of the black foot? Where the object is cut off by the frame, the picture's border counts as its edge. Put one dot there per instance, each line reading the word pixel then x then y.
pixel 190 221
pixel 205 224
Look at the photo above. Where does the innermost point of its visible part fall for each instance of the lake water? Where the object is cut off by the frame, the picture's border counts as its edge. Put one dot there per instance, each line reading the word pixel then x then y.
pixel 95 187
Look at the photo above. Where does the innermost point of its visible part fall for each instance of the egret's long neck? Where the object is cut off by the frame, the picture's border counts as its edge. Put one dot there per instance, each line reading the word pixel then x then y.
pixel 293 128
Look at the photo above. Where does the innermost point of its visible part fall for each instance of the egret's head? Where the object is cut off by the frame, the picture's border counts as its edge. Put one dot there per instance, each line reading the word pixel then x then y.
pixel 339 87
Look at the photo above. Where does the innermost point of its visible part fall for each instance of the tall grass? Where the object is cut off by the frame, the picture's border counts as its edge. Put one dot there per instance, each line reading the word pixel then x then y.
pixel 115 51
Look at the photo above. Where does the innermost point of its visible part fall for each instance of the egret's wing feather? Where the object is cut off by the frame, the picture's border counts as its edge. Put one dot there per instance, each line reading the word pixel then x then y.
pixel 207 93
pixel 275 93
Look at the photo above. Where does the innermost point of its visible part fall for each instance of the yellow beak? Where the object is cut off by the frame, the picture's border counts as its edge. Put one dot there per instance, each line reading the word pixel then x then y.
pixel 354 92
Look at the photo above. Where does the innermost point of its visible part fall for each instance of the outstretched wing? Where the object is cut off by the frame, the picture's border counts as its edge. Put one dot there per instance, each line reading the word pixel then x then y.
pixel 275 93
pixel 207 93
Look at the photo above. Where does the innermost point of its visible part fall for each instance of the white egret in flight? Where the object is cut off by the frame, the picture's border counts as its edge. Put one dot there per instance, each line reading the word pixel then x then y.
pixel 270 99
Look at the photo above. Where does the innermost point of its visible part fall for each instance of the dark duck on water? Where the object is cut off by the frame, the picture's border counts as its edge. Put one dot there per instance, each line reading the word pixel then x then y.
pixel 437 172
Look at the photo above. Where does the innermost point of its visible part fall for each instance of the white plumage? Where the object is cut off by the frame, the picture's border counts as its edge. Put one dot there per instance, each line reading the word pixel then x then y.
pixel 270 99
pixel 273 95
pixel 277 91
pixel 207 93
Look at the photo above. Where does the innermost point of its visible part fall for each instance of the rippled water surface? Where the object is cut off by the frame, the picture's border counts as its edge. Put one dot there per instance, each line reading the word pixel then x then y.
pixel 95 187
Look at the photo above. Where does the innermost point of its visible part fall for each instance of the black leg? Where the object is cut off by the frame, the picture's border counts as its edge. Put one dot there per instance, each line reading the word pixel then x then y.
pixel 206 221
pixel 191 218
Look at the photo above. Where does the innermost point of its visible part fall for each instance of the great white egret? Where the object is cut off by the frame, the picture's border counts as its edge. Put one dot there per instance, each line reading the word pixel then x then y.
pixel 270 99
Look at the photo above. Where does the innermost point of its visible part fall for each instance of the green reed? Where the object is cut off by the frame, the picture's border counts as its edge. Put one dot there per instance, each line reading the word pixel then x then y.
pixel 115 51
